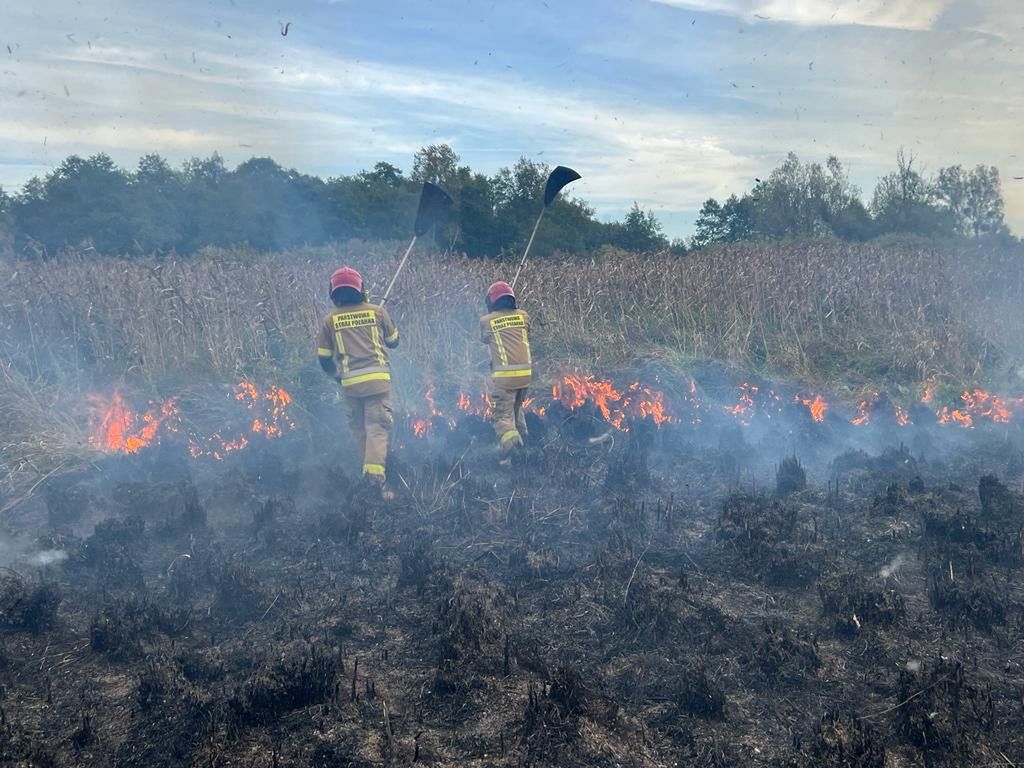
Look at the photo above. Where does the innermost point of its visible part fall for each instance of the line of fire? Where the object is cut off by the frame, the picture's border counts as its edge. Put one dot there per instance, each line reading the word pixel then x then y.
pixel 265 412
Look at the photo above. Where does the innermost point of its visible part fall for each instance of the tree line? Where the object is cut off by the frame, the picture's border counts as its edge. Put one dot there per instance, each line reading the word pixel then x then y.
pixel 159 208
pixel 807 200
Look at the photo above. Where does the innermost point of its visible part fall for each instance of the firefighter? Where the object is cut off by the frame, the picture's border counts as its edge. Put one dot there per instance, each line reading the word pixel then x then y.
pixel 353 348
pixel 505 329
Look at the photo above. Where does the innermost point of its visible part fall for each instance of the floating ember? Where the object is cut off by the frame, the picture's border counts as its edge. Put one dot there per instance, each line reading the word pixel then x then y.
pixel 753 400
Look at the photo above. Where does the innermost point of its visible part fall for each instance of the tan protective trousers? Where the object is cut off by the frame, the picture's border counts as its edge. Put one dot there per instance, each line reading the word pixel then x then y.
pixel 507 417
pixel 370 419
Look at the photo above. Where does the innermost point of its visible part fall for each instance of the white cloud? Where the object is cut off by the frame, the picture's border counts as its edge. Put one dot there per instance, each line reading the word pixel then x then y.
pixel 319 106
pixel 898 14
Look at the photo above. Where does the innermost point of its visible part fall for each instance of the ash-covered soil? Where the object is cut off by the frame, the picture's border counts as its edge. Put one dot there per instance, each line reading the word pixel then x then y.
pixel 649 600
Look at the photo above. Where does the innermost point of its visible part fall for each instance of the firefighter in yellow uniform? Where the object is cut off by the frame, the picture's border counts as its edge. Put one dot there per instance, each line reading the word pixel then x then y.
pixel 353 347
pixel 505 329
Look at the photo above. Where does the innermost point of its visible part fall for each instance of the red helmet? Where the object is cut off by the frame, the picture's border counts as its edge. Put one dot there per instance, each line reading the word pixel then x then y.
pixel 346 277
pixel 499 289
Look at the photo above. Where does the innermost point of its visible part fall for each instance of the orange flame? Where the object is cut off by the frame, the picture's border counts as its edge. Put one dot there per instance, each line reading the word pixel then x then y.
pixel 956 416
pixel 429 397
pixel 744 408
pixel 902 417
pixel 929 393
pixel 817 406
pixel 979 404
pixel 863 414
pixel 649 403
pixel 638 400
pixel 119 429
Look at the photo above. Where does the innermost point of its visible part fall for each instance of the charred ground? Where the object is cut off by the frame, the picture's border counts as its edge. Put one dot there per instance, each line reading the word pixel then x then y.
pixel 649 600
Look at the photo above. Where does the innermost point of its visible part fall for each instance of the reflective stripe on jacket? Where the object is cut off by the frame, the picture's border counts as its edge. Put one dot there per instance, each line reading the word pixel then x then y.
pixel 507 335
pixel 357 336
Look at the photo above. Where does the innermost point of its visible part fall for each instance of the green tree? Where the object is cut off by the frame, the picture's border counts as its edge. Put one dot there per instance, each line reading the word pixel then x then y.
pixel 6 224
pixel 83 200
pixel 436 163
pixel 710 225
pixel 641 231
pixel 738 217
pixel 210 215
pixel 281 208
pixel 904 201
pixel 157 200
pixel 802 200
pixel 853 222
pixel 475 223
pixel 973 199
pixel 728 223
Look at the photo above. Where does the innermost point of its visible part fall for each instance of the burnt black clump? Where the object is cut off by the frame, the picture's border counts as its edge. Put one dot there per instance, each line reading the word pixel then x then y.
pixel 855 604
pixel 942 711
pixel 299 674
pixel 790 476
pixel 26 605
pixel 846 741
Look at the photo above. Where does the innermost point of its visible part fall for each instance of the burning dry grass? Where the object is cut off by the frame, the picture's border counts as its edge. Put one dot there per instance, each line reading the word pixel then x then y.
pixel 868 317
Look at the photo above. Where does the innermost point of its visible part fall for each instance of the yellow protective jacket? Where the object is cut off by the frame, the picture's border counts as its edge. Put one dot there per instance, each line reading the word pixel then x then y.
pixel 357 337
pixel 507 334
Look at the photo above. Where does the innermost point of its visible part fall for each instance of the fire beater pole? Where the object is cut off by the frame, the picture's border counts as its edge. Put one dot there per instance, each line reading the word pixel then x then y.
pixel 557 180
pixel 526 253
pixel 433 209
pixel 401 266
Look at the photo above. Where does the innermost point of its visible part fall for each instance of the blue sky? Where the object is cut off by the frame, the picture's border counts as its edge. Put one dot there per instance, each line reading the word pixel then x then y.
pixel 662 102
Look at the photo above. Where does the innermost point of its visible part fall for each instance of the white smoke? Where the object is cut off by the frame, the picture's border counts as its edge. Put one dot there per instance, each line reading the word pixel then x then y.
pixel 892 568
pixel 47 557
